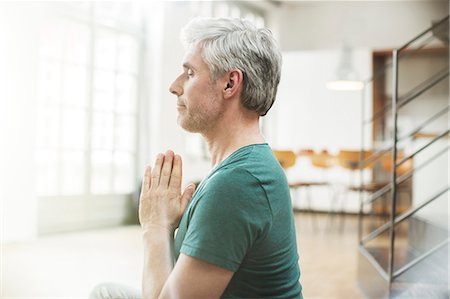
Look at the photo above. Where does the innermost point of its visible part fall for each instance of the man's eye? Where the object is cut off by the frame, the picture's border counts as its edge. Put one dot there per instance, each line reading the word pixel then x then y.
pixel 190 73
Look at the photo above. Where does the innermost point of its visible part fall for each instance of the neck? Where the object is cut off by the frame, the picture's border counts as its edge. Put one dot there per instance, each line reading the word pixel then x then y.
pixel 232 134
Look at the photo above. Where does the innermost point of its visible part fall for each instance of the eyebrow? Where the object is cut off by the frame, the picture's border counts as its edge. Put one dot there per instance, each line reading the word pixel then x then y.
pixel 187 65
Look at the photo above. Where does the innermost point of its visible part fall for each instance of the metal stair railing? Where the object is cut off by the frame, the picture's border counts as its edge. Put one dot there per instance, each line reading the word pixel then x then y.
pixel 382 191
pixel 397 103
pixel 402 217
pixel 375 156
pixel 412 94
pixel 404 55
pixel 411 264
pixel 387 275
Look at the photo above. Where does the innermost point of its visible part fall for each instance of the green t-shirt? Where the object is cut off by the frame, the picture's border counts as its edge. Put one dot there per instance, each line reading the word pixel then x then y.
pixel 240 218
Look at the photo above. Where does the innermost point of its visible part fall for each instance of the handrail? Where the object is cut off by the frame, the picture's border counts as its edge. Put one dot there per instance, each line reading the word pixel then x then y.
pixel 402 217
pixel 388 64
pixel 425 123
pixel 423 33
pixel 383 151
pixel 404 177
pixel 397 103
pixel 412 94
pixel 420 258
pixel 422 148
pixel 427 84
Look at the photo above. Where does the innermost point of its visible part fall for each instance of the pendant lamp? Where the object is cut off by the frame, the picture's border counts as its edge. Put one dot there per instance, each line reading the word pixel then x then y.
pixel 346 76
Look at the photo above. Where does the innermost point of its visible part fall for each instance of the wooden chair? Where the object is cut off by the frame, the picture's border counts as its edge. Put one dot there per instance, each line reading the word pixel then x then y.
pixel 288 159
pixel 285 158
pixel 351 160
pixel 323 160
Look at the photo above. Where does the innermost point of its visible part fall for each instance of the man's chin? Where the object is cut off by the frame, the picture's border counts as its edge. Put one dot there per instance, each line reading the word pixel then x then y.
pixel 186 126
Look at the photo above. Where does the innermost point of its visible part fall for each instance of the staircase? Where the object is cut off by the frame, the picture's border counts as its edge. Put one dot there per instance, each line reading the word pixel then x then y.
pixel 404 225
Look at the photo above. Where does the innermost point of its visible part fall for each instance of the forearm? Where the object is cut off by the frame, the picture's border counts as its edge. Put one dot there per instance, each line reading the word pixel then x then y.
pixel 158 260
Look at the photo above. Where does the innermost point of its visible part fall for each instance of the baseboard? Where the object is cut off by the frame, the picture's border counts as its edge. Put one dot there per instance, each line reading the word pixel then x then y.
pixel 63 214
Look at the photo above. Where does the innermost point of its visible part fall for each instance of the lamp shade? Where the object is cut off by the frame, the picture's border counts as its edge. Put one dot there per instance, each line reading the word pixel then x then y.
pixel 346 76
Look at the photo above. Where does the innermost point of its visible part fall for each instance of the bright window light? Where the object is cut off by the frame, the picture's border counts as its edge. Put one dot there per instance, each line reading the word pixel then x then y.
pixel 87 99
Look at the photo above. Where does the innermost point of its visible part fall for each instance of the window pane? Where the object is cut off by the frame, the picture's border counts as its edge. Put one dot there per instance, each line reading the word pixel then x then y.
pixel 52 39
pixel 104 90
pixel 127 54
pixel 75 89
pixel 73 170
pixel 102 131
pixel 105 49
pixel 47 172
pixel 74 129
pixel 125 133
pixel 77 43
pixel 47 127
pixel 49 82
pixel 124 179
pixel 126 94
pixel 101 173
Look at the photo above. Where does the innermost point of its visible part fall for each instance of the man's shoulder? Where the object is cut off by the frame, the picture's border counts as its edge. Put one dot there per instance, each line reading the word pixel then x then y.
pixel 231 176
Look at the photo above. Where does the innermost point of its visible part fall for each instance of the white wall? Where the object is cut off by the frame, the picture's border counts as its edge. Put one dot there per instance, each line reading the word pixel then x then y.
pixel 308 115
pixel 362 24
pixel 318 118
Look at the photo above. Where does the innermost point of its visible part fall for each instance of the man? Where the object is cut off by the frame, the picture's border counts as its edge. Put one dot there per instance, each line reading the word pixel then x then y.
pixel 236 234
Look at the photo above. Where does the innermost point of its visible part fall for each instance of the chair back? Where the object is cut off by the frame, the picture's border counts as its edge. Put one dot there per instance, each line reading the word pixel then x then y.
pixel 323 160
pixel 286 158
pixel 350 159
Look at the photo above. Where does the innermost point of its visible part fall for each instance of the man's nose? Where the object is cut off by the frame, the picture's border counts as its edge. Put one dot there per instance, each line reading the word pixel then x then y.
pixel 176 88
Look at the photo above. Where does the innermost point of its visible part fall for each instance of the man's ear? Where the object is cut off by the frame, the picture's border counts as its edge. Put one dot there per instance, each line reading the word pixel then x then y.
pixel 233 83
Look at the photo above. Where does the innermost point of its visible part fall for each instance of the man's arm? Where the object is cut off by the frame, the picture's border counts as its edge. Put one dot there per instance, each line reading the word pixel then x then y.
pixel 191 278
pixel 158 260
pixel 195 279
pixel 160 211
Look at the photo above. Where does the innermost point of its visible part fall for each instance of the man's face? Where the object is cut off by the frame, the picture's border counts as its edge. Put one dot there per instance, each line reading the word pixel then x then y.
pixel 199 102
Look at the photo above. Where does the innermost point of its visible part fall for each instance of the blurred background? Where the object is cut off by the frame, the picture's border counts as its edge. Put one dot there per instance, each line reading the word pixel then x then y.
pixel 84 106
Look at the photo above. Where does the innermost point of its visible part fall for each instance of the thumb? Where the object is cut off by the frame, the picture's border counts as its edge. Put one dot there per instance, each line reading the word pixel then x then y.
pixel 187 195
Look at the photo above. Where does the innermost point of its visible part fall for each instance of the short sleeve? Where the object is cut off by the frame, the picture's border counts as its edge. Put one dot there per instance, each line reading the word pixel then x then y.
pixel 231 214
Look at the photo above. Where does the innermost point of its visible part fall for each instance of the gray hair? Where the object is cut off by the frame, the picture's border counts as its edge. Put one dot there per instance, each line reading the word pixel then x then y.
pixel 235 43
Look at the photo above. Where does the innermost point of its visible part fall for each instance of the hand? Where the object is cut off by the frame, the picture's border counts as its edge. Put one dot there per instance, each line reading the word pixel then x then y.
pixel 161 201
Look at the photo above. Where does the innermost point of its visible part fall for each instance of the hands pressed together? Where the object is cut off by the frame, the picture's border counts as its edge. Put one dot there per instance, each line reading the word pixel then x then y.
pixel 162 203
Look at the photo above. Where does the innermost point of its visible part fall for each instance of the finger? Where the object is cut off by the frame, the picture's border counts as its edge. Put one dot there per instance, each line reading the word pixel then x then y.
pixel 146 180
pixel 175 178
pixel 166 169
pixel 187 195
pixel 156 173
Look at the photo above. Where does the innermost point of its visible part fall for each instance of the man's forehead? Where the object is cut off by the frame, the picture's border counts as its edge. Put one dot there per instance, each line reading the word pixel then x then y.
pixel 193 58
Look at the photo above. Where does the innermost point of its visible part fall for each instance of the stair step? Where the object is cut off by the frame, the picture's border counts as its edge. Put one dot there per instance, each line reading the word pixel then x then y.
pixel 419 291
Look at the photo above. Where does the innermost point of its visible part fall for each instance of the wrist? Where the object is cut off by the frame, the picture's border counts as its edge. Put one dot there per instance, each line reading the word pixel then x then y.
pixel 151 229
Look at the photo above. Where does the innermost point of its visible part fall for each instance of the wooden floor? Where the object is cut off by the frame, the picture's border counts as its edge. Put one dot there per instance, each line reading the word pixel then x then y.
pixel 328 249
pixel 69 265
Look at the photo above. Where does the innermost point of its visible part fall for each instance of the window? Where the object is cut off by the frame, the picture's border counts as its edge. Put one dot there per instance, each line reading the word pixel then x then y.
pixel 87 102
